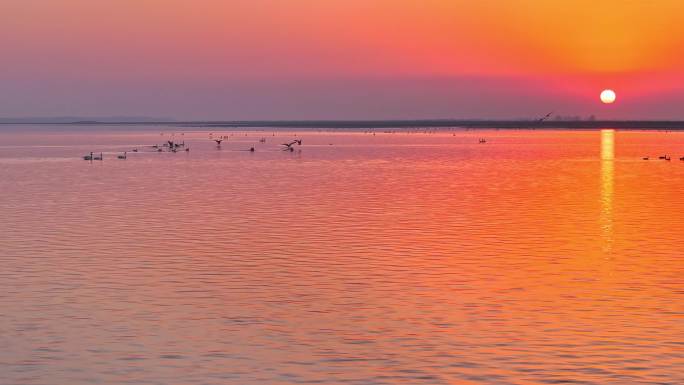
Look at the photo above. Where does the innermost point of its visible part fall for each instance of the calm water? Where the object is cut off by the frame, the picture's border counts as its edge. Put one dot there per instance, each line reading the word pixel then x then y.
pixel 540 257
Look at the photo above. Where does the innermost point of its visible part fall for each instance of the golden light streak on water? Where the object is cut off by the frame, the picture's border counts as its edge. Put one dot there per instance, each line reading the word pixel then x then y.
pixel 607 187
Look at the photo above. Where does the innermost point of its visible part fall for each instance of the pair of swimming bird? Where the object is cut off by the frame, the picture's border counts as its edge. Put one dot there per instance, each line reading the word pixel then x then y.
pixel 93 157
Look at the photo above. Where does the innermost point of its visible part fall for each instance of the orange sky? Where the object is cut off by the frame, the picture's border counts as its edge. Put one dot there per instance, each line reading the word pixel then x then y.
pixel 569 50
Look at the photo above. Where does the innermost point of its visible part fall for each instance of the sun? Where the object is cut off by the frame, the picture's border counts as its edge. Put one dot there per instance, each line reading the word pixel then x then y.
pixel 608 96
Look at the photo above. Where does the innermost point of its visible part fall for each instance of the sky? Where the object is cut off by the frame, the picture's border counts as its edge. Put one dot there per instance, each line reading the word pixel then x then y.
pixel 341 59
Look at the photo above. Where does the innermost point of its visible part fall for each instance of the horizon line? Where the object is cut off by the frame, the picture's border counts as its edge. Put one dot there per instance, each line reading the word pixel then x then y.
pixel 373 123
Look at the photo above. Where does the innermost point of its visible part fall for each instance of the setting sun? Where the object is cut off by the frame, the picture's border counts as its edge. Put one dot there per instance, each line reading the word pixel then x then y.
pixel 608 96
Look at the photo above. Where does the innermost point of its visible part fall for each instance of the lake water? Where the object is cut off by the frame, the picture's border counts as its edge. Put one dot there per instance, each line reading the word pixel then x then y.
pixel 539 257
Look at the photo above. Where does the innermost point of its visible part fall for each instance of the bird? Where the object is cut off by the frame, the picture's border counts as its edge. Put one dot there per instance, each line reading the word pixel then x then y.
pixel 88 157
pixel 645 158
pixel 545 117
pixel 251 149
pixel 99 157
pixel 124 156
pixel 288 146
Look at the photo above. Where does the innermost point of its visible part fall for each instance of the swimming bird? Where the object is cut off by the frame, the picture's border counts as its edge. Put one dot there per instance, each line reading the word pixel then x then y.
pixel 645 158
pixel 99 157
pixel 251 149
pixel 124 156
pixel 88 157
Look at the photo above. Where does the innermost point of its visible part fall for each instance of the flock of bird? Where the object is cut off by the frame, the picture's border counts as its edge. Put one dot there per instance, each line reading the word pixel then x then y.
pixel 174 146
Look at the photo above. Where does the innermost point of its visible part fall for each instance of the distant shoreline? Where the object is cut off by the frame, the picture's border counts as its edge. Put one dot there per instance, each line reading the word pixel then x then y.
pixel 402 124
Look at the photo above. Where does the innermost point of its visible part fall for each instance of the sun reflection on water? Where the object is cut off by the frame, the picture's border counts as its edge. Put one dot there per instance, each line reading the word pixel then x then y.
pixel 607 187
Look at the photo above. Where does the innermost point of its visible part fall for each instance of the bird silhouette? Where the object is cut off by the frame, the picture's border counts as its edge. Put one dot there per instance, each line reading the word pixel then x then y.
pixel 545 117
pixel 288 146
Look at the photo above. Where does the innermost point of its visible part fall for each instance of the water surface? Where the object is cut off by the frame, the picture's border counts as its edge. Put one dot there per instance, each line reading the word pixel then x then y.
pixel 539 257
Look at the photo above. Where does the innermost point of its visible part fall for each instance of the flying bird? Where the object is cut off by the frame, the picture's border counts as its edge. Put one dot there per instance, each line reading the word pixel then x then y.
pixel 545 117
pixel 288 146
